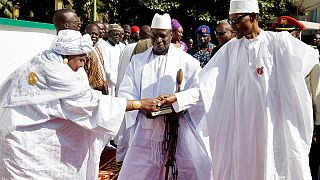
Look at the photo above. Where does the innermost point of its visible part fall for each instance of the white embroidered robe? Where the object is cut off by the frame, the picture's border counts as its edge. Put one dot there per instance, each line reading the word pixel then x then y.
pixel 57 127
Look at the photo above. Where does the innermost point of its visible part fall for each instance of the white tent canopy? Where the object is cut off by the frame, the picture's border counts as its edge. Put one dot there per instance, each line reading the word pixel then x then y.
pixel 307 4
pixel 310 25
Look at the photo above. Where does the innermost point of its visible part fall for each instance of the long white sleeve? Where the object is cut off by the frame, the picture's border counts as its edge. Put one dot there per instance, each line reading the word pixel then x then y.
pixel 186 99
pixel 95 111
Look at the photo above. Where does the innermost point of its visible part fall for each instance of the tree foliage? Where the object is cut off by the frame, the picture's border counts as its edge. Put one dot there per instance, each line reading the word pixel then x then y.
pixel 6 8
pixel 271 9
pixel 190 13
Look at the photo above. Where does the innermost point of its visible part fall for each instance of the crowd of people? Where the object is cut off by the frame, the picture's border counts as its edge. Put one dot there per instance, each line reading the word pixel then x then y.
pixel 246 108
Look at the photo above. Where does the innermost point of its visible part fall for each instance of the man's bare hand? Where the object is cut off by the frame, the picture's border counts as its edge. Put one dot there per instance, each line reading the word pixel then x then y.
pixel 166 99
pixel 150 104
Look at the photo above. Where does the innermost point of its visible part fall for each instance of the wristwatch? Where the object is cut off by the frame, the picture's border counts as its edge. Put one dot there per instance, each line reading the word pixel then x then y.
pixel 136 104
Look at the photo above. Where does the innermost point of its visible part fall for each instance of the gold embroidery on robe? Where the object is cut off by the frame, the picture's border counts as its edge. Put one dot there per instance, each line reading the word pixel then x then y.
pixel 32 78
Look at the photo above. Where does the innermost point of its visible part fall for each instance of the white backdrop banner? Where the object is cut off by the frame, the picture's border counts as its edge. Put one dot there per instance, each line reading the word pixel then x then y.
pixel 18 45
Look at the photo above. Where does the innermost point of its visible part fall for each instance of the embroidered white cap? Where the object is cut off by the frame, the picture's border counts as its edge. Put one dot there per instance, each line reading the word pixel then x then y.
pixel 161 21
pixel 244 6
pixel 114 27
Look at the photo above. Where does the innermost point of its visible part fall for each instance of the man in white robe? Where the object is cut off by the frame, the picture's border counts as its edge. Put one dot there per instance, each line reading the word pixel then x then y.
pixel 53 125
pixel 131 49
pixel 123 137
pixel 148 75
pixel 112 56
pixel 257 104
pixel 125 58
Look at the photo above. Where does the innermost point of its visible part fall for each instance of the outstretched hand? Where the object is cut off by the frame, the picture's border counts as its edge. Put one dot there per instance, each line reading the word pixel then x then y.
pixel 167 99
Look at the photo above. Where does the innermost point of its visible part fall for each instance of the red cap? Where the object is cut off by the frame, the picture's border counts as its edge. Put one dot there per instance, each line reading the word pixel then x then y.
pixel 135 29
pixel 287 23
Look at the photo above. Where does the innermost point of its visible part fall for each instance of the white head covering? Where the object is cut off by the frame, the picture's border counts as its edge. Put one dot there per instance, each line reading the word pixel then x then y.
pixel 244 6
pixel 70 42
pixel 161 21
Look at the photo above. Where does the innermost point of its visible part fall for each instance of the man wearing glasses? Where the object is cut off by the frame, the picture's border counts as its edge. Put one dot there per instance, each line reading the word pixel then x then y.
pixel 223 33
pixel 316 41
pixel 66 19
pixel 258 109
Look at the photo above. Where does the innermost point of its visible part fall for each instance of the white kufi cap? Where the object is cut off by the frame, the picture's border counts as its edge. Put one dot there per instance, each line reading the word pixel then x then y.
pixel 161 21
pixel 244 6
pixel 70 42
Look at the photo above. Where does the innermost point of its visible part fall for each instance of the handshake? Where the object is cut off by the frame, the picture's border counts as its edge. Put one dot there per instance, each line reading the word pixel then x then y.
pixel 152 107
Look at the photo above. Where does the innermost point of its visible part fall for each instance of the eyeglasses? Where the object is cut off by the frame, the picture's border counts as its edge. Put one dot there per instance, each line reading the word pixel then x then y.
pixel 236 20
pixel 156 36
pixel 220 33
pixel 76 22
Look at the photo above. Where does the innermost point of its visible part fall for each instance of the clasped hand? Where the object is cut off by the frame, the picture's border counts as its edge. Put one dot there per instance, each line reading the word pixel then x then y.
pixel 152 104
pixel 167 99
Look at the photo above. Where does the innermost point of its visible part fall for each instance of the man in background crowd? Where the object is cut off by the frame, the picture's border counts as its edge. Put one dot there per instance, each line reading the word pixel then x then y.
pixel 94 66
pixel 189 42
pixel 145 32
pixel 223 33
pixel 102 29
pixel 135 30
pixel 316 41
pixel 66 19
pixel 115 48
pixel 203 50
pixel 287 23
pixel 127 33
pixel 106 30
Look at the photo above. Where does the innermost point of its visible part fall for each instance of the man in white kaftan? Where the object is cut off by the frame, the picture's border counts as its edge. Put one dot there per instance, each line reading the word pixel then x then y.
pixel 112 56
pixel 53 125
pixel 150 74
pixel 123 137
pixel 257 104
pixel 125 59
